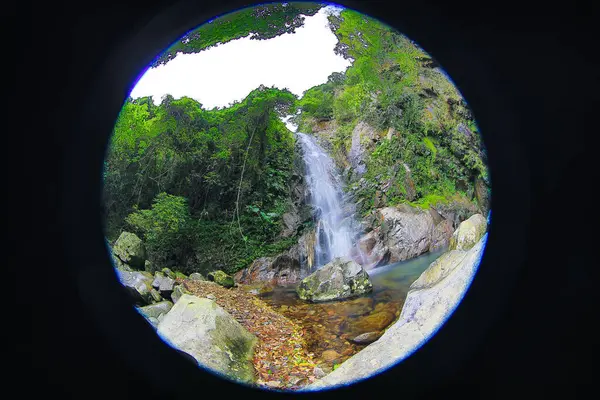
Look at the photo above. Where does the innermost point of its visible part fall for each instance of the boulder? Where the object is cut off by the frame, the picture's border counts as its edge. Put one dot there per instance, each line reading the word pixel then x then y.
pixel 376 321
pixel 405 231
pixel 130 249
pixel 468 233
pixel 430 301
pixel 155 310
pixel 163 284
pixel 278 271
pixel 139 286
pixel 178 292
pixel 373 250
pixel 199 327
pixel 258 288
pixel 340 279
pixel 366 338
pixel 221 278
pixel 117 263
pixel 180 275
pixel 155 295
pixel 330 355
pixel 457 210
pixel 167 272
pixel 196 276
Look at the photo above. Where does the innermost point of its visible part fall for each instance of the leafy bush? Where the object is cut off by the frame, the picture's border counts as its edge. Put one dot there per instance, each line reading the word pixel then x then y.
pixel 167 230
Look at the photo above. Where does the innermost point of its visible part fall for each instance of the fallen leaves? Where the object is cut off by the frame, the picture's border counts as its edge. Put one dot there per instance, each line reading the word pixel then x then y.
pixel 281 358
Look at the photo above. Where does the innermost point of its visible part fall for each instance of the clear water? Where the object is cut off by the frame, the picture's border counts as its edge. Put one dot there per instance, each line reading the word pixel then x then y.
pixel 333 325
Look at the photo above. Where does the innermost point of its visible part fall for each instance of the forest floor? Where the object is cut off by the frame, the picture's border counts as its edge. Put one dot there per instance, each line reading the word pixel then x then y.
pixel 281 357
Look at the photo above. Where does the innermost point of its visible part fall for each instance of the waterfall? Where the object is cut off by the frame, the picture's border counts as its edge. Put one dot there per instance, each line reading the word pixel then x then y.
pixel 334 216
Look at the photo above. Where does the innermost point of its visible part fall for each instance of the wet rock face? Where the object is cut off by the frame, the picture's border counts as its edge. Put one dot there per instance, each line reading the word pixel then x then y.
pixel 406 231
pixel 440 237
pixel 364 137
pixel 340 279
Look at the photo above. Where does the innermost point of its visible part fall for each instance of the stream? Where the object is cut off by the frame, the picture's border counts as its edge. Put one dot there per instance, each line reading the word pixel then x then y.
pixel 332 325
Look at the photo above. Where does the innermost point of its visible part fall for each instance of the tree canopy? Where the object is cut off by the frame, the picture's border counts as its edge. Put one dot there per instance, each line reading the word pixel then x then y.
pixel 180 149
pixel 261 22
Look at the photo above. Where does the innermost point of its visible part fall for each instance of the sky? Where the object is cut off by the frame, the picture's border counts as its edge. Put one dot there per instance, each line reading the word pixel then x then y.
pixel 218 76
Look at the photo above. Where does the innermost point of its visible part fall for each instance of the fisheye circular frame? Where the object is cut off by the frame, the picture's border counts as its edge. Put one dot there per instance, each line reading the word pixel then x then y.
pixel 91 266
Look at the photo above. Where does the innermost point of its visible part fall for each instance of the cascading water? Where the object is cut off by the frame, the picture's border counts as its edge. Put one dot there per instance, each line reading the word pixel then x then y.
pixel 335 230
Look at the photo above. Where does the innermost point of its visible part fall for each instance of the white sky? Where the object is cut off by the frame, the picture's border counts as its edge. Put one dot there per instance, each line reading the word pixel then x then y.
pixel 228 72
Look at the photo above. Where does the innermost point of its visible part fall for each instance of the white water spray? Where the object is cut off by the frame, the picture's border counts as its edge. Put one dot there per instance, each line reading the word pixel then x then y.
pixel 335 228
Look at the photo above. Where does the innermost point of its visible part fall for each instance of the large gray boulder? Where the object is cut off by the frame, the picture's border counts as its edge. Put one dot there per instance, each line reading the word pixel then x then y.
pixel 468 233
pixel 130 250
pixel 432 298
pixel 139 286
pixel 199 327
pixel 342 278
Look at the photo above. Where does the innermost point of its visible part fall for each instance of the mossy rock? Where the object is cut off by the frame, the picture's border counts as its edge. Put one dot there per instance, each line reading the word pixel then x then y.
pixel 201 328
pixel 221 278
pixel 156 310
pixel 168 273
pixel 180 275
pixel 130 250
pixel 342 278
pixel 468 233
pixel 139 286
pixel 178 292
pixel 196 276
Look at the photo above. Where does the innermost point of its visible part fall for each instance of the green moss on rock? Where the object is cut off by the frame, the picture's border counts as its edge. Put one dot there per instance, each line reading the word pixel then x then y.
pixel 340 279
pixel 221 278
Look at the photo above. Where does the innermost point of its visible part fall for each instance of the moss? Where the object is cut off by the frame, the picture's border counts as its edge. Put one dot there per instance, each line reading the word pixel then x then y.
pixel 221 278
pixel 240 347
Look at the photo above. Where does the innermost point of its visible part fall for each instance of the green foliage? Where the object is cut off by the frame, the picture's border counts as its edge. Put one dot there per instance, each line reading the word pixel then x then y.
pixel 261 22
pixel 434 150
pixel 166 228
pixel 197 155
pixel 318 101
